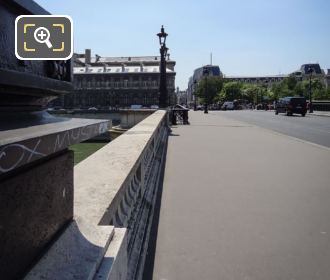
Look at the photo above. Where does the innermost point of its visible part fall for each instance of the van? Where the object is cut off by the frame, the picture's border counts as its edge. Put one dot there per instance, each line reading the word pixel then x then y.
pixel 291 105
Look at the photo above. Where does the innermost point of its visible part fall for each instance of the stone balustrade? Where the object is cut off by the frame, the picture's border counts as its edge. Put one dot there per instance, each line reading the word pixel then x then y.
pixel 115 192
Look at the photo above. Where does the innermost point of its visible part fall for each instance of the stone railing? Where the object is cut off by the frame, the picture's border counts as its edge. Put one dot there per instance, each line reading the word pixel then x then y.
pixel 115 192
pixel 131 117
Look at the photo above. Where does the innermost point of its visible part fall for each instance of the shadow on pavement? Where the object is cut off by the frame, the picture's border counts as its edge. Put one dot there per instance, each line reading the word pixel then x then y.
pixel 150 258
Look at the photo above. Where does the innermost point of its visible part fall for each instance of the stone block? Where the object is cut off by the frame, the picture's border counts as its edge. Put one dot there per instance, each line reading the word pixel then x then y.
pixel 35 205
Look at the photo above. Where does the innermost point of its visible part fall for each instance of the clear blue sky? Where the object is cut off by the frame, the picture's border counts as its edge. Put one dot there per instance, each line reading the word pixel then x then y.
pixel 256 37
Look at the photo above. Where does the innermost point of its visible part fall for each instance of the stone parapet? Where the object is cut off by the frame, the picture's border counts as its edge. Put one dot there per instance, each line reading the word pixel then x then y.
pixel 115 191
pixel 131 117
pixel 36 183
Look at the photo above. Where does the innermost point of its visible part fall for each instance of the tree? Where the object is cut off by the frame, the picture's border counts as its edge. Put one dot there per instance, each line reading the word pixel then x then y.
pixel 232 91
pixel 287 87
pixel 250 92
pixel 319 91
pixel 208 88
pixel 290 82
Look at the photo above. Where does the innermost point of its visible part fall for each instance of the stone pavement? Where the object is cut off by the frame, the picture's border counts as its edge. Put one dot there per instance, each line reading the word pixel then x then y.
pixel 242 202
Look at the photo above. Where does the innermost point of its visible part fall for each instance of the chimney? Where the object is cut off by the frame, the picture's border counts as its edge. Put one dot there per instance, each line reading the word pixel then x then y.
pixel 88 56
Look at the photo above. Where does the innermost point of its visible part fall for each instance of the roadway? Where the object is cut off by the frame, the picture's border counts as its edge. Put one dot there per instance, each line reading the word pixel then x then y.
pixel 315 129
pixel 242 202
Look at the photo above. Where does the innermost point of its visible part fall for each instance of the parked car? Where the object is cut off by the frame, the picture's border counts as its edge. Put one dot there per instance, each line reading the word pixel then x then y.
pixel 199 107
pixel 228 105
pixel 291 105
pixel 136 106
pixel 154 107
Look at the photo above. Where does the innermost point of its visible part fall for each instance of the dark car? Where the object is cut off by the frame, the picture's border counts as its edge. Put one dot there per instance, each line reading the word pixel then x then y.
pixel 291 105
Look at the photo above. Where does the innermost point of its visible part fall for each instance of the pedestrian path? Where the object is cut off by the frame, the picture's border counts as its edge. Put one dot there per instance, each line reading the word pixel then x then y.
pixel 242 202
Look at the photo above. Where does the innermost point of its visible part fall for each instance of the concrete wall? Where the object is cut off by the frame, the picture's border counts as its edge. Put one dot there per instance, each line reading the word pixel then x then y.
pixel 114 199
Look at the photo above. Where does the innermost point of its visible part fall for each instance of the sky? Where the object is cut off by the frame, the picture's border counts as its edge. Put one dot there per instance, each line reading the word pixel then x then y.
pixel 255 37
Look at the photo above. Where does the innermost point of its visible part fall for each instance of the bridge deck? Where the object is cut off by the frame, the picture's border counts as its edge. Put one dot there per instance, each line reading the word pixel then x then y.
pixel 242 202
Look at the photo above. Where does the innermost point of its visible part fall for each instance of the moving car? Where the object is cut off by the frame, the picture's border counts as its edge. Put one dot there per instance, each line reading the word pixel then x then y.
pixel 291 105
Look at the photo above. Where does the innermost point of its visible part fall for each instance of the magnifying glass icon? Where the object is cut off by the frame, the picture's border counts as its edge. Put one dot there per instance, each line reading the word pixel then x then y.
pixel 41 35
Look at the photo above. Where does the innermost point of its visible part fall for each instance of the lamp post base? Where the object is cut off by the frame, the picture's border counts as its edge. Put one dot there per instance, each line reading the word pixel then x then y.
pixel 206 111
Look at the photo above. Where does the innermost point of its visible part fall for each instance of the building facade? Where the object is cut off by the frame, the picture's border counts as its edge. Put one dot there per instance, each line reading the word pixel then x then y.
pixel 120 82
pixel 300 75
pixel 318 73
pixel 327 78
pixel 199 73
pixel 263 80
pixel 181 96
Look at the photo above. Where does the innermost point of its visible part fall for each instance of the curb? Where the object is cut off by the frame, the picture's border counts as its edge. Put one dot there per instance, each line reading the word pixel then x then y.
pixel 319 115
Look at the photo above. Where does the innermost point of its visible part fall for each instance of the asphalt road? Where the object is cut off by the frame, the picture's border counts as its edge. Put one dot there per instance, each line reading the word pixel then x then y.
pixel 314 129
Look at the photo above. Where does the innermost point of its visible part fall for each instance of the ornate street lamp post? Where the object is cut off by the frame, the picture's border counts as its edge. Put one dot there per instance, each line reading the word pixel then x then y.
pixel 163 95
pixel 310 72
pixel 195 95
pixel 205 74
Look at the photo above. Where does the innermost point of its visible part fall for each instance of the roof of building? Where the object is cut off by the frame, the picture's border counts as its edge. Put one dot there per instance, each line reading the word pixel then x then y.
pixel 256 77
pixel 315 66
pixel 131 59
pixel 118 69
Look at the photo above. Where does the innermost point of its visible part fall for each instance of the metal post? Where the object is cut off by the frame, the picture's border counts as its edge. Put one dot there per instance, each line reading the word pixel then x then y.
pixel 310 92
pixel 195 96
pixel 206 98
pixel 163 94
pixel 205 74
